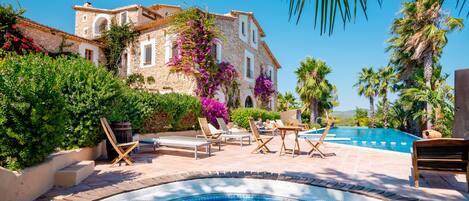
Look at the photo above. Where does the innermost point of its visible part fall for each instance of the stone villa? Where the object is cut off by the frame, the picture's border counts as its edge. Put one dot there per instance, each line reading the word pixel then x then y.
pixel 242 45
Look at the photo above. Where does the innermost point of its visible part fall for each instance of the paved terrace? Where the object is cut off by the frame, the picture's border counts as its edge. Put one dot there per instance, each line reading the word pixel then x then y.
pixel 383 170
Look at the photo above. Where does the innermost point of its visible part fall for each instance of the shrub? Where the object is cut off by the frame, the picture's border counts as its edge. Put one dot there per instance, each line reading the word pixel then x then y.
pixel 172 108
pixel 241 116
pixel 213 109
pixel 90 93
pixel 149 112
pixel 31 110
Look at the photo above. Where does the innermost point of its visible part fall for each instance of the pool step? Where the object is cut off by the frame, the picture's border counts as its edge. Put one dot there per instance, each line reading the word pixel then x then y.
pixel 378 143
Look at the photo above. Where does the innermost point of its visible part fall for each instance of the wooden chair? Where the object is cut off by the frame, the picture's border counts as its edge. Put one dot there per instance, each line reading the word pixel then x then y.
pixel 315 146
pixel 214 138
pixel 440 155
pixel 123 149
pixel 261 141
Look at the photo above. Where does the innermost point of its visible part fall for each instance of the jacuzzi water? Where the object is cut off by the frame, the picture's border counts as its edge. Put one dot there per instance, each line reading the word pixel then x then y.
pixel 237 189
pixel 232 197
pixel 378 138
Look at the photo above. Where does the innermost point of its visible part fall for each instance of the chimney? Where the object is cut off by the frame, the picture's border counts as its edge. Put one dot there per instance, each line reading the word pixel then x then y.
pixel 88 4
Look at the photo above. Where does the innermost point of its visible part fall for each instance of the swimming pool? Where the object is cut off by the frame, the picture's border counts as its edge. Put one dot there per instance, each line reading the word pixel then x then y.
pixel 244 189
pixel 378 138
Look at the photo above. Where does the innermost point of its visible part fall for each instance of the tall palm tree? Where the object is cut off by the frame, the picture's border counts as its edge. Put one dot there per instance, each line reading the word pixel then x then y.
pixel 368 86
pixel 286 101
pixel 327 10
pixel 312 85
pixel 419 38
pixel 387 78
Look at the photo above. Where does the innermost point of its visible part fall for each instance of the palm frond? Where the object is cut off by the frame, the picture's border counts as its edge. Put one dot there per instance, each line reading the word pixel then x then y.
pixel 327 11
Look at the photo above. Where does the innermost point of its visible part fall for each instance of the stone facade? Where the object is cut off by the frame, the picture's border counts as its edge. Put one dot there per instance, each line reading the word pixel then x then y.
pixel 55 41
pixel 233 47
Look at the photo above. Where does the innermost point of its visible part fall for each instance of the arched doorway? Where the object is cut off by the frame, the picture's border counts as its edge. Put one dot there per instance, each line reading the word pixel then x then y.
pixel 248 102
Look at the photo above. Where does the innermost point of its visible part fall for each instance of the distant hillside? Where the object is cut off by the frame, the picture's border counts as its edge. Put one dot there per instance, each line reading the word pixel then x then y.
pixel 344 114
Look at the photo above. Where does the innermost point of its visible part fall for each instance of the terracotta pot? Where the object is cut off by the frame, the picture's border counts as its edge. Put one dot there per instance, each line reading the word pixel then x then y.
pixel 431 134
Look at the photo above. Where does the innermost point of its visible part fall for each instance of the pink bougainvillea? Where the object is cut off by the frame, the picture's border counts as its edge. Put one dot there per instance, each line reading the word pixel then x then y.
pixel 264 88
pixel 213 109
pixel 196 35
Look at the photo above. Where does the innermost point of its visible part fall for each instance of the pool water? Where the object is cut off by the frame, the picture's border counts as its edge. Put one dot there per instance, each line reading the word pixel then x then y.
pixel 243 189
pixel 233 197
pixel 378 138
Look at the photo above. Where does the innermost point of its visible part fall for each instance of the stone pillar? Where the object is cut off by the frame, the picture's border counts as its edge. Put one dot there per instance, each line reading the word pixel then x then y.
pixel 461 120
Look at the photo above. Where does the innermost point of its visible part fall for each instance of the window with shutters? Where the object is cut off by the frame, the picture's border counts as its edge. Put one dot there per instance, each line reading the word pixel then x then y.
pixel 89 55
pixel 147 53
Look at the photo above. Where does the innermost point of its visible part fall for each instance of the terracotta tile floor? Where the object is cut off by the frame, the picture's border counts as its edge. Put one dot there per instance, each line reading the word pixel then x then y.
pixel 372 168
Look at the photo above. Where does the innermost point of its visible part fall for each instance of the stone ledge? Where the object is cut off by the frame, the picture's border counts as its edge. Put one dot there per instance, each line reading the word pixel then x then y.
pixel 307 180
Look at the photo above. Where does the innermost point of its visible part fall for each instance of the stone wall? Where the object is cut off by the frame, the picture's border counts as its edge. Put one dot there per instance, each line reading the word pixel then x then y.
pixel 51 40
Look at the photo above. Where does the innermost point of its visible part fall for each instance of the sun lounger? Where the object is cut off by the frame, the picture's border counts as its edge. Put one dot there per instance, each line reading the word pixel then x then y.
pixel 228 134
pixel 180 142
pixel 207 133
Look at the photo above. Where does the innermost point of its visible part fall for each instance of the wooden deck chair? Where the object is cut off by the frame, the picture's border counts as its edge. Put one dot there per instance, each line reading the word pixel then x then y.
pixel 214 138
pixel 261 141
pixel 123 149
pixel 315 146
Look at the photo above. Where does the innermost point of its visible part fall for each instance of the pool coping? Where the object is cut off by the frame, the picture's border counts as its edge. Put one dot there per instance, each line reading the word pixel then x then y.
pixel 124 187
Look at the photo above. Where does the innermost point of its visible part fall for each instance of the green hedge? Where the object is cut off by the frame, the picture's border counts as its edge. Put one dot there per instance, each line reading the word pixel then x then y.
pixel 48 103
pixel 241 116
pixel 32 115
pixel 90 93
pixel 149 112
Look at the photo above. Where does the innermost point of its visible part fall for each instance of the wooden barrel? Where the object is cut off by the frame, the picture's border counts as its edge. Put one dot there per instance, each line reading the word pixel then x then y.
pixel 123 133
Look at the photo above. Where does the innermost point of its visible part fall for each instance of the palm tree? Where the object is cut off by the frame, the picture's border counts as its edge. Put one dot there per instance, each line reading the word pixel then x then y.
pixel 420 36
pixel 440 95
pixel 286 101
pixel 368 86
pixel 312 86
pixel 327 11
pixel 387 78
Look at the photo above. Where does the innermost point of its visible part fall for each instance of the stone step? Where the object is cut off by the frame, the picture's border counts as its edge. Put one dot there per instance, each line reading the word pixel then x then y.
pixel 74 174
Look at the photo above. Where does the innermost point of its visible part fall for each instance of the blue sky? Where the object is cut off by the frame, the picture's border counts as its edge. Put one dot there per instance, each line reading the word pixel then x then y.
pixel 346 51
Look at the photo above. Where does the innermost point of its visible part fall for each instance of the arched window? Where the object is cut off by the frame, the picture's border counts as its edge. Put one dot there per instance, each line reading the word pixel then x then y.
pixel 216 50
pixel 101 24
pixel 248 102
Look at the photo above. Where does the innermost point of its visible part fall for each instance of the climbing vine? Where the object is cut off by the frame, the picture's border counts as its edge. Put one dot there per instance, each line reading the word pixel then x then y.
pixel 116 39
pixel 196 32
pixel 264 89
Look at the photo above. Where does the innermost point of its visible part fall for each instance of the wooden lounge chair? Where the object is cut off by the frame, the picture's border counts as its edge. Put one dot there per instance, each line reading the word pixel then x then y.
pixel 214 138
pixel 315 146
pixel 261 141
pixel 122 149
pixel 440 155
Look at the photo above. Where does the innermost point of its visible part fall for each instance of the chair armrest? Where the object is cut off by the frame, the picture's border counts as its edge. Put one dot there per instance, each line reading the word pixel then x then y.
pixel 127 144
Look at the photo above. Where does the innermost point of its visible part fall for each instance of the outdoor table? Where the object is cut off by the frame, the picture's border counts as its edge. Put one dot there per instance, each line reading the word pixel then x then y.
pixel 283 132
